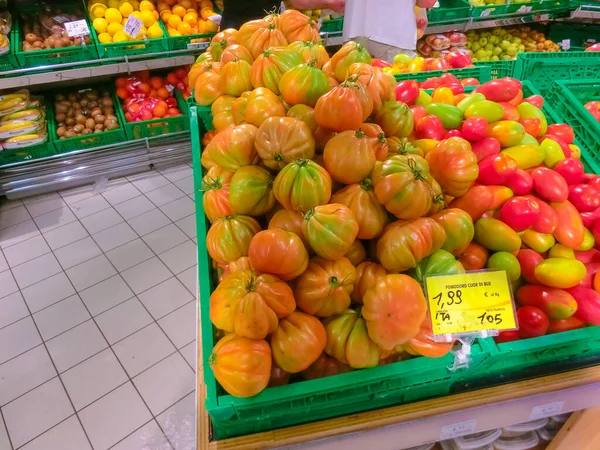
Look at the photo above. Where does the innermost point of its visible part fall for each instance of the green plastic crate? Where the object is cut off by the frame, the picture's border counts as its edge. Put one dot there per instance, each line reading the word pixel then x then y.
pixel 499 69
pixel 567 99
pixel 449 11
pixel 91 140
pixel 185 42
pixel 9 61
pixel 578 35
pixel 305 401
pixel 542 69
pixel 130 48
pixel 158 127
pixel 484 12
pixel 481 73
pixel 333 27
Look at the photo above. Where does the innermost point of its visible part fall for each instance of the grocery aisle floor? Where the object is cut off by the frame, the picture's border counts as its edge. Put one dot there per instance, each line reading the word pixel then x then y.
pixel 98 317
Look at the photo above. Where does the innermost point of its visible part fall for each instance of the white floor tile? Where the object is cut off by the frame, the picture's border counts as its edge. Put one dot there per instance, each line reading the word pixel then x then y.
pixel 37 411
pixel 179 423
pixel 77 194
pixel 26 250
pixel 181 324
pixel 189 278
pixel 17 338
pixel 4 441
pixel 188 225
pixel 65 235
pixel 146 275
pixel 148 181
pixel 101 220
pixel 18 233
pixel 143 349
pixel 121 194
pixel 9 204
pixel 134 207
pixel 165 194
pixel 7 284
pixel 179 208
pixel 25 372
pixel 190 353
pixel 130 254
pixel 165 238
pixel 37 269
pixel 67 435
pixel 45 205
pixel 165 297
pixel 89 206
pixel 181 257
pixel 14 216
pixel 165 383
pixel 55 219
pixel 114 416
pixel 150 436
pixel 48 292
pixel 149 222
pixel 3 262
pixel 12 308
pixel 60 317
pixel 106 294
pixel 114 237
pixel 123 320
pixel 76 345
pixel 177 173
pixel 186 184
pixel 77 252
pixel 91 272
pixel 93 378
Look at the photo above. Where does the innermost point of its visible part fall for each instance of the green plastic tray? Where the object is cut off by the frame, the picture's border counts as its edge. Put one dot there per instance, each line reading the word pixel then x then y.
pixel 130 48
pixel 542 69
pixel 449 11
pixel 158 127
pixel 91 140
pixel 333 27
pixel 499 69
pixel 9 61
pixel 481 73
pixel 577 34
pixel 184 42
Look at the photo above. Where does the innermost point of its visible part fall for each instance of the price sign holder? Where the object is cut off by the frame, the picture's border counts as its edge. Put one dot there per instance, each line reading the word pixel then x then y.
pixel 466 306
pixel 132 26
pixel 77 28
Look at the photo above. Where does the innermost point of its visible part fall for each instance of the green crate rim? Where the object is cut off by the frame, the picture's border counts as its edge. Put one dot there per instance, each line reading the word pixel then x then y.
pixel 9 60
pixel 498 69
pixel 482 73
pixel 181 42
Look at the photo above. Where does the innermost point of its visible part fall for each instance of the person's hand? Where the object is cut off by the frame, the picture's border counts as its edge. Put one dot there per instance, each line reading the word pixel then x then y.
pixel 336 5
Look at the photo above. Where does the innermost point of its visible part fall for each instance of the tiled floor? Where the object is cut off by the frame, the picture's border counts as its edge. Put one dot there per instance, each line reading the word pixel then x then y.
pixel 98 317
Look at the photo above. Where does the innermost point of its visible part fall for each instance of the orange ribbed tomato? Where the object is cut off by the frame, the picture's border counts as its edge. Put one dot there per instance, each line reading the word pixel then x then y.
pixel 330 229
pixel 376 82
pixel 264 38
pixel 357 253
pixel 324 288
pixel 349 157
pixel 424 345
pixel 221 112
pixel 279 252
pixel 229 237
pixel 302 185
pixel 296 26
pixel 233 147
pixel 270 66
pixel 251 191
pixel 242 263
pixel 262 104
pixel 350 53
pixel 235 77
pixel 215 200
pixel 454 166
pixel 325 366
pixel 235 52
pixel 238 108
pixel 241 365
pixel 345 107
pixel 304 113
pixel 303 85
pixel 310 52
pixel 368 273
pixel 208 88
pixel 290 221
pixel 281 140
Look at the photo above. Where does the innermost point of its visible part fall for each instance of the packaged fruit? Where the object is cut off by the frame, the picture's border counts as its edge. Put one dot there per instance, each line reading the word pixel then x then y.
pixel 438 41
pixel 17 127
pixel 457 39
pixel 46 29
pixel 25 140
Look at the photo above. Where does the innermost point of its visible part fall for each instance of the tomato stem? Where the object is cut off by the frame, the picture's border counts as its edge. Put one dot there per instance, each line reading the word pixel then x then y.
pixel 278 157
pixel 412 165
pixel 301 162
pixel 366 184
pixel 359 133
pixel 333 281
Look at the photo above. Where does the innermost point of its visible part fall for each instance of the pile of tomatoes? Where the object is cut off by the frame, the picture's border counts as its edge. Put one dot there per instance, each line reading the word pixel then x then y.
pixel 330 202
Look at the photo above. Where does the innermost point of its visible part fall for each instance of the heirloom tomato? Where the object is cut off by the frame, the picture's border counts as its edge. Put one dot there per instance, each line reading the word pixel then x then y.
pixel 290 221
pixel 251 191
pixel 349 157
pixel 324 366
pixel 330 230
pixel 540 242
pixel 251 27
pixel 303 84
pixel 279 377
pixel 496 235
pixel 357 253
pixel 476 201
pixel 281 140
pixel 394 309
pixel 475 129
pixel 235 77
pixel 405 242
pixel 263 39
pixel 242 263
pixel 507 132
pixel 215 186
pixel 403 185
pixel 302 185
pixel 350 53
pixel 296 26
pixel 278 252
pixel 507 262
pixel 261 105
pixel 310 52
pixel 402 146
pixel 430 127
pixel 588 304
pixel 208 88
pixel 395 119
pixel 520 213
pixel 376 82
pixel 474 257
pixel 241 365
pixel 216 49
pixel 199 68
pixel 298 341
pixel 423 343
pixel 458 226
pixel 250 305
pixel 584 197
pixel 418 112
pixel 229 237
pixel 570 231
pixel 453 165
pixel 559 326
pixel 556 303
pixel 370 215
pixel 270 66
pixel 490 111
pixel 304 113
pixel 533 322
pixel 439 263
pixel 221 112
pixel 529 260
pixel 238 108
pixel 345 107
pixel 348 341
pixel 236 52
pixel 560 273
pixel 507 336
pixel 367 274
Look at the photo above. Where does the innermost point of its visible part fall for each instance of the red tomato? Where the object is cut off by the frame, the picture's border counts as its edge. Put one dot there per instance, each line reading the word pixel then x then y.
pixel 474 257
pixel 559 326
pixel 457 89
pixel 454 133
pixel 507 336
pixel 470 82
pixel 535 100
pixel 529 260
pixel 584 197
pixel 458 60
pixel 520 182
pixel 430 127
pixel 570 231
pixel 448 79
pixel 533 126
pixel 563 131
pixel 418 113
pixel 496 169
pixel 571 169
pixel 485 147
pixel 533 322
pixel 500 90
pixel 376 62
pixel 588 304
pixel 547 220
pixel 474 128
pixel 590 217
pixel 510 111
pixel 563 145
pixel 431 83
pixel 520 213
pixel 550 185
pixel 407 91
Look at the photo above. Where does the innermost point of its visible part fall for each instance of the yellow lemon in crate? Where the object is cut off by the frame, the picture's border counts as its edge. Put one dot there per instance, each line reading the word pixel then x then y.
pixel 155 31
pixel 146 5
pixel 120 36
pixel 142 34
pixel 113 15
pixel 174 21
pixel 97 10
pixel 114 28
pixel 125 9
pixel 100 24
pixel 211 26
pixel 113 3
pixel 104 38
pixel 137 14
pixel 148 18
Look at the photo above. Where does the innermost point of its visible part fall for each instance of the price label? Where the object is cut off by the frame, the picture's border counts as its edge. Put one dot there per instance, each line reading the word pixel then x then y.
pixel 565 44
pixel 543 411
pixel 133 26
pixel 470 302
pixel 216 18
pixel 457 430
pixel 77 28
pixel 486 12
pixel 524 9
pixel 197 45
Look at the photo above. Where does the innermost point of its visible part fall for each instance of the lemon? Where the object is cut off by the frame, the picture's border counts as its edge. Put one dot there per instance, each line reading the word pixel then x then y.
pixel 113 3
pixel 148 18
pixel 104 38
pixel 125 9
pixel 146 5
pixel 97 10
pixel 173 32
pixel 113 15
pixel 135 4
pixel 100 24
pixel 141 34
pixel 114 28
pixel 155 31
pixel 120 36
pixel 137 15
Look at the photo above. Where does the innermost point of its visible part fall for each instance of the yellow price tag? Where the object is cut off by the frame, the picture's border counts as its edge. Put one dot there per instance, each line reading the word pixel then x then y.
pixel 470 302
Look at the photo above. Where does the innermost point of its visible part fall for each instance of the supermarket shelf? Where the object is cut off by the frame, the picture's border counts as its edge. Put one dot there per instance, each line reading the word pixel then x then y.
pixel 586 12
pixel 95 165
pixel 502 21
pixel 422 422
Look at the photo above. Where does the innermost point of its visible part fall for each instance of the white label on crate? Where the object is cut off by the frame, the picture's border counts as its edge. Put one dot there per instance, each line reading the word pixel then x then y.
pixel 216 18
pixel 197 45
pixel 543 411
pixel 170 88
pixel 77 28
pixel 457 430
pixel 133 26
pixel 524 9
pixel 486 12
pixel 565 44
